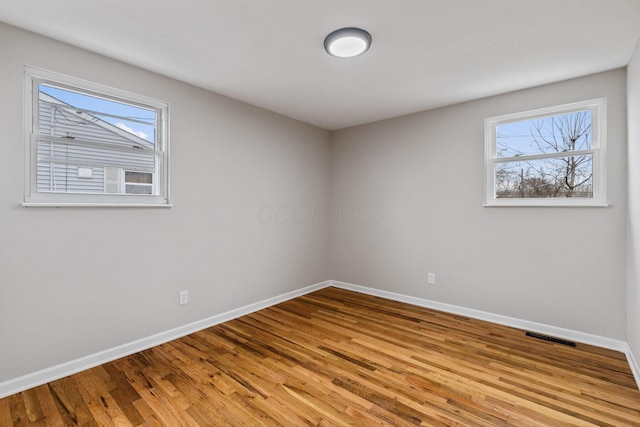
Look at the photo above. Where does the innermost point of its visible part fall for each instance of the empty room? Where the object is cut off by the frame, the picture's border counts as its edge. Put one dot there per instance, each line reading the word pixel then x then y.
pixel 293 212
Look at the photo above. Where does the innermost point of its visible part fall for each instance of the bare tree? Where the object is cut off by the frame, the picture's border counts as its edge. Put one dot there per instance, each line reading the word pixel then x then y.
pixel 526 181
pixel 564 134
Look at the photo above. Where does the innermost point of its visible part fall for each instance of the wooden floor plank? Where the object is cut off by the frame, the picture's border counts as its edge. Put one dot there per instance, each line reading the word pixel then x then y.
pixel 48 406
pixel 70 404
pixel 337 358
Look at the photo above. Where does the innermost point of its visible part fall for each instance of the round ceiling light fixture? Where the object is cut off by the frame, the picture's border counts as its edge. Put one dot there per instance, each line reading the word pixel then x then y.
pixel 347 42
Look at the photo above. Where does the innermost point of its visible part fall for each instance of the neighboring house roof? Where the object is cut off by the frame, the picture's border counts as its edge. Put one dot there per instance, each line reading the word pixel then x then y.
pixel 88 125
pixel 59 162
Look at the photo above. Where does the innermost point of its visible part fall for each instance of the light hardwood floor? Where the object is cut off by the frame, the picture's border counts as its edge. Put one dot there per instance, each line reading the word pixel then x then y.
pixel 336 357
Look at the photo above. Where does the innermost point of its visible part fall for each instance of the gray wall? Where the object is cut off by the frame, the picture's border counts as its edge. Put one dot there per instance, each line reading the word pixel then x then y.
pixel 77 281
pixel 633 291
pixel 257 197
pixel 418 182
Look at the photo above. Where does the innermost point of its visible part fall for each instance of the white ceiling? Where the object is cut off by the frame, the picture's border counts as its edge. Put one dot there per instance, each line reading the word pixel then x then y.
pixel 425 53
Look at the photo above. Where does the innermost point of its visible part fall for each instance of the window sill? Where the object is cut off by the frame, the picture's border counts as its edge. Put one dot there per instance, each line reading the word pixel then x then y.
pixel 545 205
pixel 67 200
pixel 95 205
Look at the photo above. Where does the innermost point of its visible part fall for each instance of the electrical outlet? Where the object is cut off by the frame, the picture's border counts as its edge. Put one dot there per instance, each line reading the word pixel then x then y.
pixel 431 278
pixel 184 297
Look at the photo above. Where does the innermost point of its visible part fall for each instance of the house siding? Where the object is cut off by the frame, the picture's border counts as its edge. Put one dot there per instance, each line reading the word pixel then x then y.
pixel 58 163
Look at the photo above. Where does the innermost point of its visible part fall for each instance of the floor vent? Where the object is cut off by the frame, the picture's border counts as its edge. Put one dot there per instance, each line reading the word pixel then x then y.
pixel 552 339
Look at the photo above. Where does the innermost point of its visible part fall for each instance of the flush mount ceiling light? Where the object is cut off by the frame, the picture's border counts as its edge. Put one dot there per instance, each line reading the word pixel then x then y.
pixel 347 42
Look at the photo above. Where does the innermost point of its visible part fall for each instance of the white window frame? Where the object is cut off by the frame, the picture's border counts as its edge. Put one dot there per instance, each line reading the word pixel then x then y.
pixel 598 108
pixel 33 198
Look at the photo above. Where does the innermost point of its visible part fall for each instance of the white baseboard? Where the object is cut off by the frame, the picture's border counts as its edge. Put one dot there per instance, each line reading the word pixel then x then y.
pixel 53 373
pixel 62 370
pixel 633 364
pixel 541 328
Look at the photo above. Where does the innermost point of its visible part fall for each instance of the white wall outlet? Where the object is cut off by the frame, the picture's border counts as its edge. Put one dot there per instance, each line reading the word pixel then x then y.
pixel 184 297
pixel 431 278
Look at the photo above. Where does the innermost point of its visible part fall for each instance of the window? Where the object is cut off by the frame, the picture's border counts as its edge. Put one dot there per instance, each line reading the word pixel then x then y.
pixel 87 144
pixel 138 182
pixel 549 157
